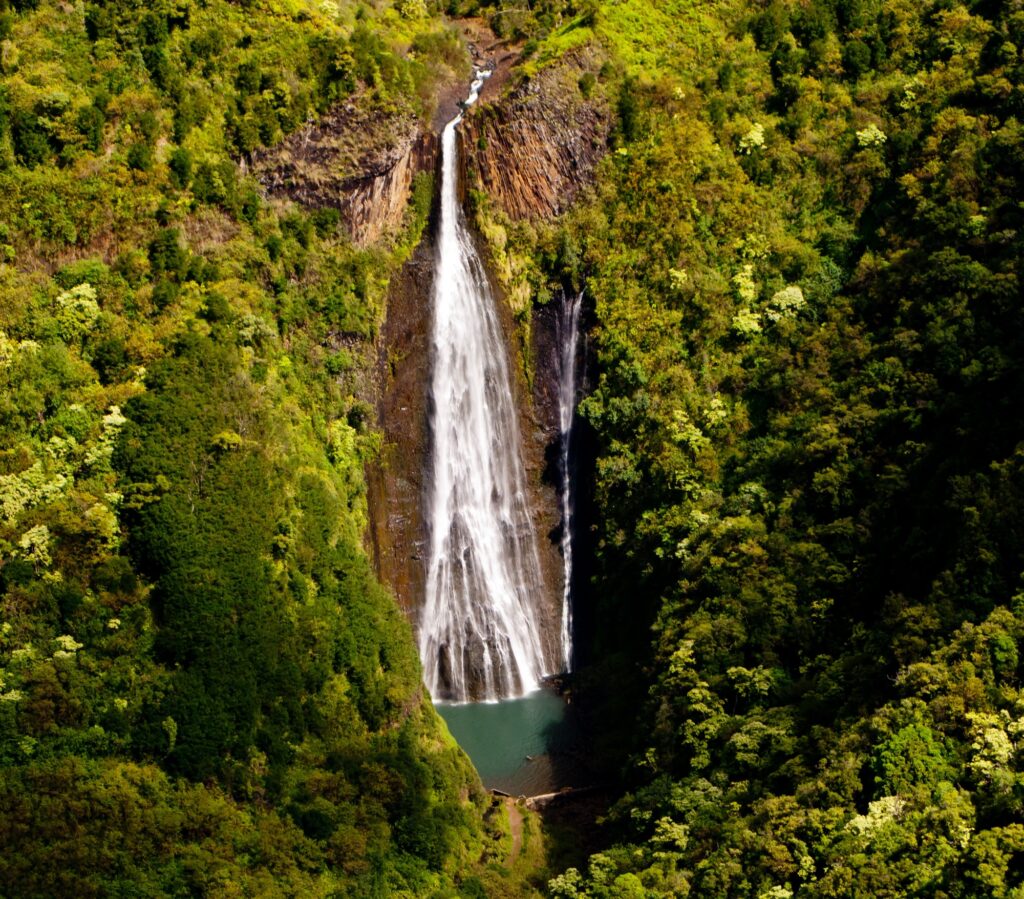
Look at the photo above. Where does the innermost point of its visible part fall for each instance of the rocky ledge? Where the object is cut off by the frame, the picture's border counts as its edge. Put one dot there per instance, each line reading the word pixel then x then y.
pixel 356 159
pixel 533 149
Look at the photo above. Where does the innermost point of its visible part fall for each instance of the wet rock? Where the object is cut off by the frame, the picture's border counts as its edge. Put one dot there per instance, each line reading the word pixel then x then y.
pixel 541 141
pixel 398 481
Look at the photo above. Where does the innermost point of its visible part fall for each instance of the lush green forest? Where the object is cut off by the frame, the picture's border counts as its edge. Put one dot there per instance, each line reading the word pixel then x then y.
pixel 203 689
pixel 801 260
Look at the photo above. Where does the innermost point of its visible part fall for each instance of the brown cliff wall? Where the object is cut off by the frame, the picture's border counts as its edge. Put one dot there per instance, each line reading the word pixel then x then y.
pixel 540 143
pixel 398 482
pixel 374 205
pixel 533 149
pixel 356 160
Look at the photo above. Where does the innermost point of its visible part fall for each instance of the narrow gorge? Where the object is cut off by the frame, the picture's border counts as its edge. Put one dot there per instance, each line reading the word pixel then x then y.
pixel 472 506
pixel 473 518
pixel 471 528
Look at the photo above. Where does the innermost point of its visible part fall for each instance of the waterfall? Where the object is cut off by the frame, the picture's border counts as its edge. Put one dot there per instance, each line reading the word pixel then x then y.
pixel 478 632
pixel 567 332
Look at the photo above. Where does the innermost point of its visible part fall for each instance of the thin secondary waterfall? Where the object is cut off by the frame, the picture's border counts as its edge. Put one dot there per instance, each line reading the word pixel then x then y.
pixel 567 332
pixel 478 632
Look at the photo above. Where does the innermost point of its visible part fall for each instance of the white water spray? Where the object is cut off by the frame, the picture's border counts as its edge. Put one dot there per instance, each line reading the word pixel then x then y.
pixel 567 332
pixel 478 634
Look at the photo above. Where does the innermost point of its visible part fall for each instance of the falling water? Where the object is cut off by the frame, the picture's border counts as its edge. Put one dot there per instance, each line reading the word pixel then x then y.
pixel 478 634
pixel 568 329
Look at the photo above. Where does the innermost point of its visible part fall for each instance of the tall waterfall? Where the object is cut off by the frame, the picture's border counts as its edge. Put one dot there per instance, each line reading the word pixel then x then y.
pixel 567 332
pixel 478 633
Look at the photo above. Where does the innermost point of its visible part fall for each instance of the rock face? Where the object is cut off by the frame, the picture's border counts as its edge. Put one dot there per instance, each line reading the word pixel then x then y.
pixel 398 483
pixel 375 204
pixel 355 160
pixel 533 150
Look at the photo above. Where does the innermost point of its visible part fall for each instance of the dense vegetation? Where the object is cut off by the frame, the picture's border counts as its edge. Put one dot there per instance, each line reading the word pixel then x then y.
pixel 203 690
pixel 802 260
pixel 803 256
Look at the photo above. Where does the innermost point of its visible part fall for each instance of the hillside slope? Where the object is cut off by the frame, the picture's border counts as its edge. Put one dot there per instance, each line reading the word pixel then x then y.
pixel 203 689
pixel 802 256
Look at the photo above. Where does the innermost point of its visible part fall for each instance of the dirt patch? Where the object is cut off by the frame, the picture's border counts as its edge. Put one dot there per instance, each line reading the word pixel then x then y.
pixel 515 825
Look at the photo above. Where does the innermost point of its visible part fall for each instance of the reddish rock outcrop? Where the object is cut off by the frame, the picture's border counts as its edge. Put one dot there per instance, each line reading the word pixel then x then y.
pixel 375 204
pixel 356 160
pixel 533 150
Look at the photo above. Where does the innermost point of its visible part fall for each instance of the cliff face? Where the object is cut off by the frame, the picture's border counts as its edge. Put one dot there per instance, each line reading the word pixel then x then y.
pixel 398 483
pixel 532 150
pixel 374 204
pixel 355 160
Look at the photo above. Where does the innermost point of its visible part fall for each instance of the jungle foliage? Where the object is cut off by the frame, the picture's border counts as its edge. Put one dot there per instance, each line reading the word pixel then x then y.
pixel 802 262
pixel 203 689
pixel 803 259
